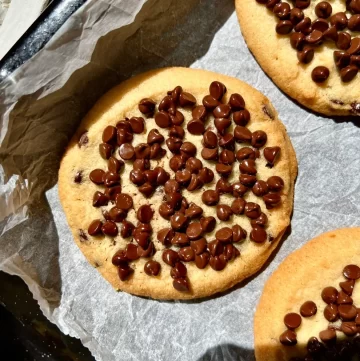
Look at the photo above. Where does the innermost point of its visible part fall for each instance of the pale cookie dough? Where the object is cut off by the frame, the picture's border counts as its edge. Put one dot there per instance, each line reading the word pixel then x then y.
pixel 301 278
pixel 279 60
pixel 122 102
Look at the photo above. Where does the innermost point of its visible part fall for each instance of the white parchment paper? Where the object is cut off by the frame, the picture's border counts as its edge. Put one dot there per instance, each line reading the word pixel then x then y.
pixel 41 105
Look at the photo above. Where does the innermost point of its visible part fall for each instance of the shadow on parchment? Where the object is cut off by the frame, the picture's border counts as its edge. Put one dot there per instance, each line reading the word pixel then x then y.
pixel 40 129
pixel 227 352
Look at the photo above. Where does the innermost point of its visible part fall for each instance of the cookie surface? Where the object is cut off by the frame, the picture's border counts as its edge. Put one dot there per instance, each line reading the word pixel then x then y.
pixel 226 262
pixel 315 284
pixel 338 92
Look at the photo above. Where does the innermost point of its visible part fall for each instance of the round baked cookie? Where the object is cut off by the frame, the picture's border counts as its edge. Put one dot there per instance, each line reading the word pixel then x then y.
pixel 310 49
pixel 168 202
pixel 308 309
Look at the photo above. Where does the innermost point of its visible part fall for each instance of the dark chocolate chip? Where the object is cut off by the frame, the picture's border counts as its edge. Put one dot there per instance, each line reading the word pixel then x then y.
pixel 152 268
pixel 202 260
pixel 252 210
pixel 198 246
pixel 109 228
pixel 218 263
pixel 339 20
pixel 331 312
pixel 224 234
pixel 222 111
pixel 95 227
pixel 292 320
pixel 179 270
pixel 323 9
pixel 181 284
pixel 306 55
pixel 217 90
pixel 258 235
pixel 124 201
pixel 186 254
pixel 147 106
pixel 348 73
pixel 210 103
pixel 174 144
pixel 288 338
pixel 223 212
pixel 352 272
pixel 97 176
pixel 83 140
pixel 238 206
pixel 117 214
pixel 187 99
pixel 170 257
pixel 272 200
pixel 111 179
pixel 208 224
pixel 236 102
pixel 199 112
pixel 329 295
pixel 180 239
pixel 100 199
pixel 196 127
pixel 308 309
pixel 206 175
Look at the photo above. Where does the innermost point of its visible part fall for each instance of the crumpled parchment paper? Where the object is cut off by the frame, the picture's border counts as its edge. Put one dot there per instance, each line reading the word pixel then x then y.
pixel 42 103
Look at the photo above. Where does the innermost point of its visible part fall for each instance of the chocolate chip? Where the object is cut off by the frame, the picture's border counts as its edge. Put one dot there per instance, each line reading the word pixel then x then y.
pixel 209 153
pixel 344 40
pixel 227 142
pixel 154 137
pixel 248 166
pixel 227 157
pixel 193 165
pixel 180 239
pixel 188 149
pixel 115 165
pixel 241 117
pixel 288 338
pixel 187 254
pixel 217 90
pixel 331 312
pixel 198 246
pixel 142 151
pixel 187 99
pixel 258 139
pixel 195 183
pixel 181 284
pixel 137 177
pixel 109 134
pixel 348 73
pixel 152 268
pixel 206 175
pixel 194 230
pixel 296 15
pixel 242 134
pixel 271 3
pixel 315 37
pixel 95 227
pixel 245 153
pixel 109 228
pixel 221 124
pixel 247 180
pixel 202 260
pixel 331 34
pixel 223 169
pixel 272 200
pixel 261 221
pixel 117 214
pixel 167 104
pixel 124 272
pixel 175 93
pixel 292 320
pixel 239 234
pixel 308 309
pixel 144 214
pixel 210 103
pixel 304 26
pixel 124 201
pixel 329 295
pixel 183 177
pixel 258 235
pixel 132 252
pixel 165 236
pixel 140 164
pixel 282 10
pixel 223 186
pixel 218 263
pixel 347 312
pixel 328 336
pixel 223 212
pixel 355 6
pixel 123 136
pixel 196 127
pixel 339 20
pixel 178 221
pixel 236 102
pixel 137 124
pixel 260 188
pixel 354 23
pixel 297 40
pixel 147 106
pixel 78 177
pixel 347 286
pixel 351 272
pixel 271 154
pixel 83 140
pixel 162 119
pixel 344 299
pixel 355 60
pixel 97 176
pixel 238 206
pixel 210 139
pixel 252 210
pixel 306 55
pixel 171 186
pixel 126 229
pixel 275 183
pixel 119 258
pixel 111 179
pixel 100 199
pixel 174 144
pixel 208 224
pixel 177 119
pixel 126 151
pixel 323 9
pixel 231 252
pixel 349 328
pixel 224 234
pixel 222 111
pixel 170 257
pixel 179 270
pixel 199 112
pixel 174 200
pixel 193 211
pixel 284 27
pixel 105 150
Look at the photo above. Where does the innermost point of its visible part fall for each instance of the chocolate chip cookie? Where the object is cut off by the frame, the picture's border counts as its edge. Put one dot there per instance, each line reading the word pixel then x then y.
pixel 309 309
pixel 178 183
pixel 311 49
